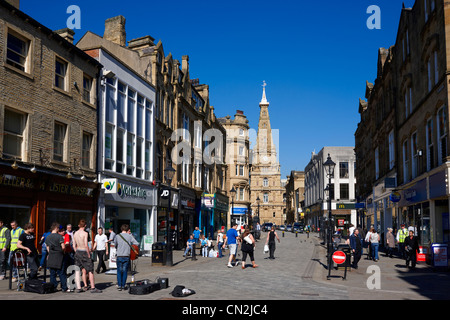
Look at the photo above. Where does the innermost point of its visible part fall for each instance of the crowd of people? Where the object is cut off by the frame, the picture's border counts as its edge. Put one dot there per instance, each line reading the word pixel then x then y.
pixel 405 240
pixel 62 247
pixel 230 240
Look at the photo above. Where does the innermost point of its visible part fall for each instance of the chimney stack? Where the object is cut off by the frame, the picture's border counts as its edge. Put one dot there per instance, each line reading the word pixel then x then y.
pixel 66 33
pixel 115 30
pixel 15 3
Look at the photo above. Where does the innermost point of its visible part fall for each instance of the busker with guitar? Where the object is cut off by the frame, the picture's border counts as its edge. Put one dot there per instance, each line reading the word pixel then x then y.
pixel 124 245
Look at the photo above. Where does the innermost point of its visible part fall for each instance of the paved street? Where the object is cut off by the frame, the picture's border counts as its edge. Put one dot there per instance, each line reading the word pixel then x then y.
pixel 298 273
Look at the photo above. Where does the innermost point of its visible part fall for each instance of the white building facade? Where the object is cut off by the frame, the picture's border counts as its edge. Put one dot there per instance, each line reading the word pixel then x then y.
pixel 342 189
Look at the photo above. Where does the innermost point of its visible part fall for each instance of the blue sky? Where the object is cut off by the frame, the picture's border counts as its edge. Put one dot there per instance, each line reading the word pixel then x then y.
pixel 314 55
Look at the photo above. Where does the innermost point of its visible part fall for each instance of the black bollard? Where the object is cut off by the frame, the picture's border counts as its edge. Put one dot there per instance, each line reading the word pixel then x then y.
pixel 283 234
pixel 296 234
pixel 193 251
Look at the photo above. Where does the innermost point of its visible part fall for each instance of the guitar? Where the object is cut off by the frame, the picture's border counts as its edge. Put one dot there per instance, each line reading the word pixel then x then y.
pixel 134 252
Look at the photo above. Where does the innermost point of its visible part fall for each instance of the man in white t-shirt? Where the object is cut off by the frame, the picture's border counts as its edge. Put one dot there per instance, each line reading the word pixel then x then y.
pixel 102 249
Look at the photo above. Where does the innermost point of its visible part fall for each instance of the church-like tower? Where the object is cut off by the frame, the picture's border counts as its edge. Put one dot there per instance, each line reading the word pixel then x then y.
pixel 265 173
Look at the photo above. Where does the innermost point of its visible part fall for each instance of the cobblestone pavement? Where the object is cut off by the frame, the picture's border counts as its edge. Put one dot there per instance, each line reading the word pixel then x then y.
pixel 298 273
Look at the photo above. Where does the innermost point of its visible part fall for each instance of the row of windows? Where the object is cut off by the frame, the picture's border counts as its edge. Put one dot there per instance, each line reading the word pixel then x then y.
pixel 128 131
pixel 411 152
pixel 18 56
pixel 15 127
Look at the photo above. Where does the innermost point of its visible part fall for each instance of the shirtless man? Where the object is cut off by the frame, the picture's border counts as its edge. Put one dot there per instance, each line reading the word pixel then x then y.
pixel 83 259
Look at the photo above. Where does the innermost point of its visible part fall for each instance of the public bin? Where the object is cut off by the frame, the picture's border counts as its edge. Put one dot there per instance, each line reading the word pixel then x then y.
pixel 439 252
pixel 159 253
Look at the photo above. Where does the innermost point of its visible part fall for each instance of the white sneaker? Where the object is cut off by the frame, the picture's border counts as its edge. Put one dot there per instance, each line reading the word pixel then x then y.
pixel 229 265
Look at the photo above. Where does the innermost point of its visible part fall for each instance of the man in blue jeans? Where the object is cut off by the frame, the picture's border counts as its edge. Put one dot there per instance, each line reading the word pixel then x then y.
pixel 233 241
pixel 122 243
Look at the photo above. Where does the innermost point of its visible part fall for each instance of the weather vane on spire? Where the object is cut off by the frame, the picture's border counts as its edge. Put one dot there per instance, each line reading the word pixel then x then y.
pixel 264 99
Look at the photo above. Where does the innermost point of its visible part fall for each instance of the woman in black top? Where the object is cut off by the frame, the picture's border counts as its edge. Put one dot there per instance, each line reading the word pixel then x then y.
pixel 247 247
pixel 411 247
pixel 271 241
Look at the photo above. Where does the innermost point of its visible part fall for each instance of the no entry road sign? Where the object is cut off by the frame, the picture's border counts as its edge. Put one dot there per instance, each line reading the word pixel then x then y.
pixel 339 257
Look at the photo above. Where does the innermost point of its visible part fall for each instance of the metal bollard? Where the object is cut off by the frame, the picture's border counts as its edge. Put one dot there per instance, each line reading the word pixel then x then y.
pixel 296 234
pixel 283 234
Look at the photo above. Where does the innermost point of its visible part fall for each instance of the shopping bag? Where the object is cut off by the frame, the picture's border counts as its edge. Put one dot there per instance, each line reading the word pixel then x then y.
pixel 266 248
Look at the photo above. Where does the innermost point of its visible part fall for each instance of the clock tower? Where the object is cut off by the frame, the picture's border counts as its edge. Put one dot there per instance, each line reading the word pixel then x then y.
pixel 265 173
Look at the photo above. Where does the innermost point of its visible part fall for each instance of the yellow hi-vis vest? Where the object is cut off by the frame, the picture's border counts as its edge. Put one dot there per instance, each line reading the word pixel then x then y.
pixel 3 237
pixel 402 235
pixel 15 237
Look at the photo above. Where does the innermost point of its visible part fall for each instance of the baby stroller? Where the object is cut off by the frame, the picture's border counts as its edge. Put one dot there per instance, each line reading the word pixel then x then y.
pixel 18 261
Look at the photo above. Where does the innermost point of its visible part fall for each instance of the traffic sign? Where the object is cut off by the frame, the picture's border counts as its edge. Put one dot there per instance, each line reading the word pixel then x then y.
pixel 339 257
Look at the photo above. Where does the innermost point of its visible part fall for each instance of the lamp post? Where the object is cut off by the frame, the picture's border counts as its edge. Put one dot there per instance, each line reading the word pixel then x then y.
pixel 169 172
pixel 233 194
pixel 258 201
pixel 329 168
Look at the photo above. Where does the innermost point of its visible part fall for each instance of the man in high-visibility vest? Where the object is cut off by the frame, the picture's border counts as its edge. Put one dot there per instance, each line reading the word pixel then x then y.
pixel 16 231
pixel 5 241
pixel 401 236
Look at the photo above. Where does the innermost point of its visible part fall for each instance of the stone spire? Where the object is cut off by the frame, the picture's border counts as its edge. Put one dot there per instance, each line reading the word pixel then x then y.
pixel 264 99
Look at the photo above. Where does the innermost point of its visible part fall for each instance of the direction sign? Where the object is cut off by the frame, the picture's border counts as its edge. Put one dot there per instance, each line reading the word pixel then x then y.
pixel 339 257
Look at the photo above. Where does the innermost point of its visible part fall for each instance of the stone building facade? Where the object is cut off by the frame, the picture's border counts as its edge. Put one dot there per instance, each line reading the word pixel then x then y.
pixel 295 190
pixel 405 181
pixel 238 163
pixel 48 124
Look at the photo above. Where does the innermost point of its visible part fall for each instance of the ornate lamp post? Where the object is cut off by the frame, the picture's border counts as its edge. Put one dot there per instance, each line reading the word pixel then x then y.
pixel 169 172
pixel 329 169
pixel 233 194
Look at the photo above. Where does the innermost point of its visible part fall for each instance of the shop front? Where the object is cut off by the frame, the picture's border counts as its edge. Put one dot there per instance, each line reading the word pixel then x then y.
pixel 186 216
pixel 128 202
pixel 424 208
pixel 163 206
pixel 213 214
pixel 43 198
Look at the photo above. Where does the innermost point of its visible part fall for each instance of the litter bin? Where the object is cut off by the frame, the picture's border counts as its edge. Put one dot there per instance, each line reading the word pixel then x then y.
pixel 159 253
pixel 439 253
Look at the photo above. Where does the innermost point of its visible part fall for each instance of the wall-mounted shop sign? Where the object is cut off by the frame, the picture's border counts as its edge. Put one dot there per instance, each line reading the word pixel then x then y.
pixel 124 191
pixel 71 190
pixel 8 180
pixel 208 200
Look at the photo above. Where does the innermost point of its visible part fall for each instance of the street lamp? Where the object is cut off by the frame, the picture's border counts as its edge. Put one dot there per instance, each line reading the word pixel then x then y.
pixel 258 201
pixel 169 172
pixel 329 169
pixel 233 194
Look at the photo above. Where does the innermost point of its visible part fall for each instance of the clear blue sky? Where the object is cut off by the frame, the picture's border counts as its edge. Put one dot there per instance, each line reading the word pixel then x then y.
pixel 314 55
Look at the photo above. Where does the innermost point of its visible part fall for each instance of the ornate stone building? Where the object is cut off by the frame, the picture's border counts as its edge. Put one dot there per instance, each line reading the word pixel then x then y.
pixel 237 159
pixel 265 173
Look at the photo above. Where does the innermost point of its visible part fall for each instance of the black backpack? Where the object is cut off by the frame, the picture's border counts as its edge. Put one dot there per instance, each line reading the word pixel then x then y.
pixel 178 291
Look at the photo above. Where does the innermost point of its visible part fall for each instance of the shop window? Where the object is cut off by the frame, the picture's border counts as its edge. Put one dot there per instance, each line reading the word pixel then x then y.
pixel 67 216
pixel 14 127
pixel 21 214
